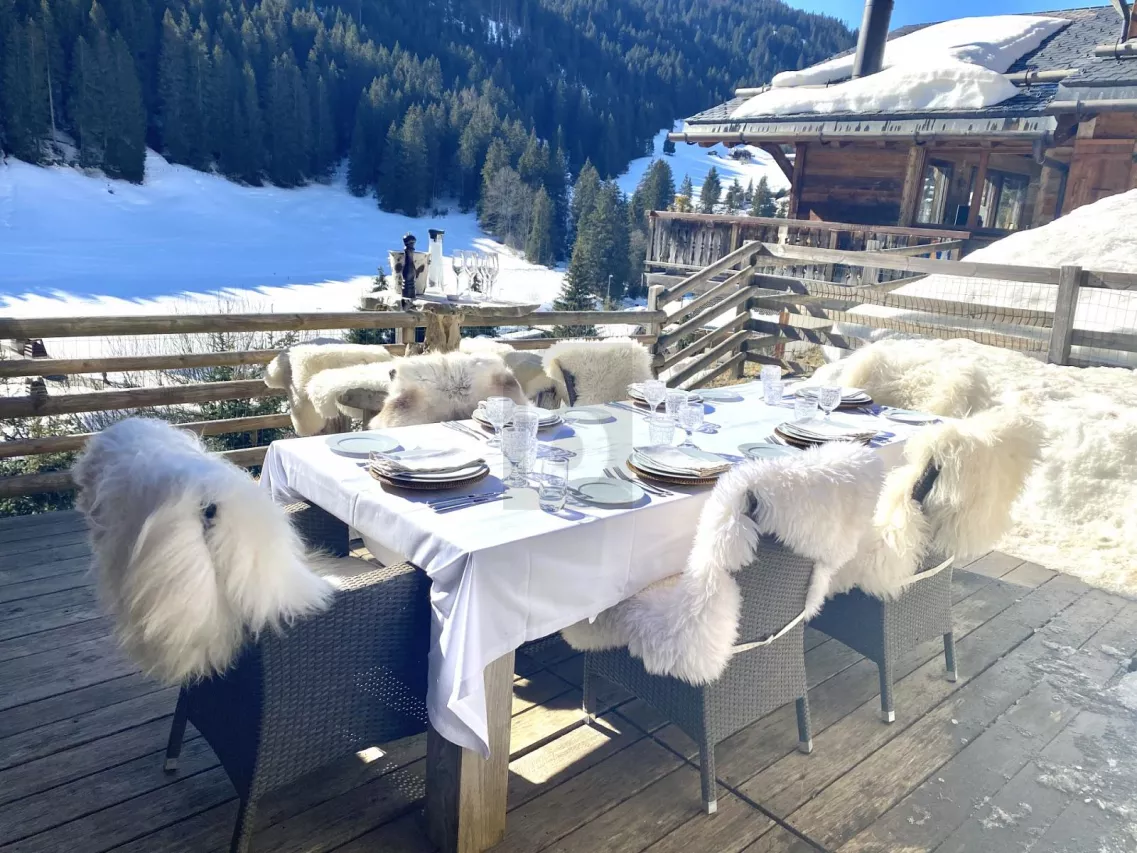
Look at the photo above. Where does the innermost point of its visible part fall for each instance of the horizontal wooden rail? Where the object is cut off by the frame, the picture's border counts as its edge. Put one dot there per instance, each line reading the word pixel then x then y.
pixel 125 364
pixel 740 255
pixel 811 225
pixel 69 443
pixel 709 339
pixel 925 248
pixel 701 382
pixel 824 336
pixel 697 321
pixel 135 398
pixel 1124 341
pixel 709 357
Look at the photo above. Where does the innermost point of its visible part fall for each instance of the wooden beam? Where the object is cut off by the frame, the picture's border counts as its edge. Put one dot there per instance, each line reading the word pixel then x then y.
pixel 699 320
pixel 913 184
pixel 1062 332
pixel 739 358
pixel 780 158
pixel 809 225
pixel 977 192
pixel 135 398
pixel 796 179
pixel 710 356
pixel 693 281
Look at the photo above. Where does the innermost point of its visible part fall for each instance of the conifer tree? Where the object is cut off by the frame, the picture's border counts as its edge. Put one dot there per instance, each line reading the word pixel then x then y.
pixel 24 96
pixel 748 195
pixel 763 203
pixel 289 123
pixel 556 185
pixel 575 295
pixel 533 165
pixel 173 91
pixel 539 245
pixel 584 195
pixel 125 153
pixel 668 146
pixel 324 141
pixel 390 190
pixel 710 192
pixel 413 165
pixel 734 197
pixel 497 158
pixel 246 155
pixel 684 198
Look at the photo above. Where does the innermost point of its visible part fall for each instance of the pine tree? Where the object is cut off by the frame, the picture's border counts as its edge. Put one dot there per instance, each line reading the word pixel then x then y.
pixel 534 161
pixel 556 185
pixel 575 295
pixel 413 166
pixel 246 158
pixel 390 188
pixel 24 95
pixel 539 245
pixel 763 203
pixel 125 153
pixel 710 192
pixel 497 158
pixel 684 198
pixel 584 194
pixel 734 197
pixel 366 141
pixel 748 196
pixel 173 89
pixel 324 140
pixel 289 123
pixel 668 146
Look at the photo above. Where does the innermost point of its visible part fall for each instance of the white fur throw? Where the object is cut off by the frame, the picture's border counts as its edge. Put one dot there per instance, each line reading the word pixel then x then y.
pixel 293 369
pixel 358 391
pixel 431 388
pixel 984 461
pixel 191 556
pixel 910 374
pixel 817 504
pixel 601 371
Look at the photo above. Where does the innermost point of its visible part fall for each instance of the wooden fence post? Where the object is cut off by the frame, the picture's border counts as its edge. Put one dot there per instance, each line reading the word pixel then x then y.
pixel 653 294
pixel 1069 281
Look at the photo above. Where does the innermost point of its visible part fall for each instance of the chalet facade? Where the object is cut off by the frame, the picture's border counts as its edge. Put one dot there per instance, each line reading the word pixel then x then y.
pixel 1065 139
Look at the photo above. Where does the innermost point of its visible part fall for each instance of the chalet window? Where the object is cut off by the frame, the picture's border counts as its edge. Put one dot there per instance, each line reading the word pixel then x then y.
pixel 933 195
pixel 1004 198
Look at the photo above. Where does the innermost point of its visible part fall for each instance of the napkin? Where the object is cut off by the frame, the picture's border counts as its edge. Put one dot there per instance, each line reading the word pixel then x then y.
pixel 681 461
pixel 424 461
pixel 826 430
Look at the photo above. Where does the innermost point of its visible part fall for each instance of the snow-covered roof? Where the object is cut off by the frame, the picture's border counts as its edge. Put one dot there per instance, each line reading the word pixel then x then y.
pixel 927 110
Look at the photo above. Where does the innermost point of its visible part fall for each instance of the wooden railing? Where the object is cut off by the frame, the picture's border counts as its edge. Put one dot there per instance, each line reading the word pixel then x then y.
pixel 735 310
pixel 41 402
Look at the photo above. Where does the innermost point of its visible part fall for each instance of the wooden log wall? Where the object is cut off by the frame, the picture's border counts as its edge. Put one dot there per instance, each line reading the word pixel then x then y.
pixel 853 184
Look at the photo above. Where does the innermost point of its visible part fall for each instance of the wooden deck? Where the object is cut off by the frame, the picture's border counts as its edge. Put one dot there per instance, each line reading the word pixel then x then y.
pixel 1027 751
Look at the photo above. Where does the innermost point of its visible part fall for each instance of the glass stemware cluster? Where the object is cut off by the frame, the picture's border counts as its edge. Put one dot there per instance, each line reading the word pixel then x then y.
pixel 679 411
pixel 481 269
pixel 515 428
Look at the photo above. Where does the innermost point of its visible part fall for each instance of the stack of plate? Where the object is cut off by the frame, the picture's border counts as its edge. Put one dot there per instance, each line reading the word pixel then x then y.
pixel 360 445
pixel 635 392
pixel 851 398
pixel 548 418
pixel 678 465
pixel 429 469
pixel 817 431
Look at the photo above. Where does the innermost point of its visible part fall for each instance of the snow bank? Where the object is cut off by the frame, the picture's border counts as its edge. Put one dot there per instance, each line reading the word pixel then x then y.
pixel 1076 513
pixel 952 65
pixel 1125 691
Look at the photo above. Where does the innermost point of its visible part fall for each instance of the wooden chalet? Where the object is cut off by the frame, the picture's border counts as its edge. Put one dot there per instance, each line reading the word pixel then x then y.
pixel 1065 140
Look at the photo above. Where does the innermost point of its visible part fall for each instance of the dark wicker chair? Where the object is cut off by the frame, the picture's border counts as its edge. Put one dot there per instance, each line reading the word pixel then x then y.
pixel 882 630
pixel 766 671
pixel 351 677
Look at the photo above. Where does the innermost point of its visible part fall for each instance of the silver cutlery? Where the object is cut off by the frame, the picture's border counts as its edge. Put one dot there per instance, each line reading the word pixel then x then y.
pixel 470 432
pixel 620 474
pixel 486 499
pixel 635 410
pixel 453 498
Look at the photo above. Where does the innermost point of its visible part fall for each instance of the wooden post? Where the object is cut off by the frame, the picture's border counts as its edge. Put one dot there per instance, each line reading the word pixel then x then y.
pixel 1069 281
pixel 653 294
pixel 739 370
pixel 465 793
pixel 977 192
pixel 913 184
pixel 870 275
pixel 799 175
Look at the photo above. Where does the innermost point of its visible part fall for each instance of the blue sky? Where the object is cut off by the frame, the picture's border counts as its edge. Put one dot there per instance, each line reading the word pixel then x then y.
pixel 922 11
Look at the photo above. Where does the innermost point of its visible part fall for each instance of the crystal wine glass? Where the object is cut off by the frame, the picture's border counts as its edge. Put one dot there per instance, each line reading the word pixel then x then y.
pixel 457 261
pixel 516 442
pixel 829 398
pixel 655 392
pixel 690 418
pixel 499 412
pixel 493 267
pixel 675 400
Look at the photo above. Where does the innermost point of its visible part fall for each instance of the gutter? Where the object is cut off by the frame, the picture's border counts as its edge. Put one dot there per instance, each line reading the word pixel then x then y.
pixel 918 138
pixel 1019 78
pixel 1080 108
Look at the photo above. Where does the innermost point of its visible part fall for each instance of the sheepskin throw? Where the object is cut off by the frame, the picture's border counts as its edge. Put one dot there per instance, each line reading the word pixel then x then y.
pixel 817 504
pixel 294 368
pixel 430 388
pixel 358 391
pixel 586 373
pixel 191 556
pixel 983 462
pixel 912 375
pixel 527 367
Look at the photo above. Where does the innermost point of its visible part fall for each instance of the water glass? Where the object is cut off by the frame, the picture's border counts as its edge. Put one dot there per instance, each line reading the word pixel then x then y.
pixel 773 392
pixel 655 392
pixel 527 418
pixel 829 398
pixel 517 445
pixel 660 430
pixel 805 408
pixel 770 373
pixel 676 398
pixel 552 484
pixel 690 418
pixel 499 411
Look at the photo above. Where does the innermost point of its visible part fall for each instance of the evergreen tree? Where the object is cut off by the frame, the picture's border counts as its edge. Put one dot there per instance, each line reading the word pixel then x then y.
pixel 508 205
pixel 125 154
pixel 24 94
pixel 575 295
pixel 324 141
pixel 710 192
pixel 584 195
pixel 602 246
pixel 289 123
pixel 656 191
pixel 173 92
pixel 556 185
pixel 539 245
pixel 748 195
pixel 734 195
pixel 684 198
pixel 533 165
pixel 763 203
pixel 243 160
pixel 413 164
pixel 390 189
pixel 497 158
pixel 668 146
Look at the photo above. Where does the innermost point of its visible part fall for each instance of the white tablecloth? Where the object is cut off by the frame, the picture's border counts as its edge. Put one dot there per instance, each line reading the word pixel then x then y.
pixel 505 572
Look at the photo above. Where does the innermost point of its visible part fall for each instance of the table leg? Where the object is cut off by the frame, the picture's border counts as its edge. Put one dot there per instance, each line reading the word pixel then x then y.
pixel 465 793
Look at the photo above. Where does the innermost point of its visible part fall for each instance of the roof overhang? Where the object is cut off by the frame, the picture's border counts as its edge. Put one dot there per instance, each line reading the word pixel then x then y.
pixel 919 129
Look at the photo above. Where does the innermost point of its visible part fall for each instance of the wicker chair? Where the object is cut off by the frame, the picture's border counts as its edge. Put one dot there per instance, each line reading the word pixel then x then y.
pixel 766 671
pixel 348 678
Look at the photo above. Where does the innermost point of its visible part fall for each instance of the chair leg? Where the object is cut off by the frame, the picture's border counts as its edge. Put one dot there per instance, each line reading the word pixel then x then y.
pixel 588 701
pixel 949 656
pixel 707 770
pixel 804 729
pixel 887 710
pixel 177 732
pixel 243 831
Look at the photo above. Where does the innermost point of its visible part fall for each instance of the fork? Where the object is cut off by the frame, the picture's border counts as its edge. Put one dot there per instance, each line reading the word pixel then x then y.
pixel 465 430
pixel 619 474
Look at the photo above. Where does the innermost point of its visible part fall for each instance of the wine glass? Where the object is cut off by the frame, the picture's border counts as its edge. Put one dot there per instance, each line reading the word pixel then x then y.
pixel 457 261
pixel 655 392
pixel 676 399
pixel 516 442
pixel 690 418
pixel 492 270
pixel 475 262
pixel 499 411
pixel 829 398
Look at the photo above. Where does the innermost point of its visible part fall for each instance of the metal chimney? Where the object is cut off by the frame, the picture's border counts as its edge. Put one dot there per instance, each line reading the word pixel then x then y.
pixel 874 33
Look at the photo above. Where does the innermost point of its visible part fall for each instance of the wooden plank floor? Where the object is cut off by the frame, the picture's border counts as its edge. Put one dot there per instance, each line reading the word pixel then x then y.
pixel 1029 750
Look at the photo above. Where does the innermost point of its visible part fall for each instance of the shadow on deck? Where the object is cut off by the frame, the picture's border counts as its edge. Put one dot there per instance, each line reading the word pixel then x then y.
pixel 1028 750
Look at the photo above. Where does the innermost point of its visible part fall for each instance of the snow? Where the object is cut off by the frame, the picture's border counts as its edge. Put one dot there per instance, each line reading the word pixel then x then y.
pixel 954 65
pixel 1125 691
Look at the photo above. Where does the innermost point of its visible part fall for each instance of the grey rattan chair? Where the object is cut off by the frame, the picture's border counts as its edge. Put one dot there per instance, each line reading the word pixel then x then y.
pixel 766 671
pixel 348 678
pixel 882 630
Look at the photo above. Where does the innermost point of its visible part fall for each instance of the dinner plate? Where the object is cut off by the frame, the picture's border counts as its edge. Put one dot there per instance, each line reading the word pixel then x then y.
pixel 647 463
pixel 766 450
pixel 605 491
pixel 847 394
pixel 359 444
pixel 720 395
pixel 544 423
pixel 640 401
pixel 401 482
pixel 439 477
pixel 906 416
pixel 586 416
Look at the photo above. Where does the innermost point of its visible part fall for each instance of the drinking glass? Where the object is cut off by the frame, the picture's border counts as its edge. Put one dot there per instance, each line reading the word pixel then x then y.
pixel 457 261
pixel 770 372
pixel 528 418
pixel 552 483
pixel 515 446
pixel 675 399
pixel 773 392
pixel 805 408
pixel 829 398
pixel 690 418
pixel 655 392
pixel 660 430
pixel 499 410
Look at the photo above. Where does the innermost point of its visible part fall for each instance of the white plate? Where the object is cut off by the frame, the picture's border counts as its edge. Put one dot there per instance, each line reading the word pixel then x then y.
pixel 544 423
pixel 723 395
pixel 446 477
pixel 905 416
pixel 585 416
pixel 766 450
pixel 359 444
pixel 642 460
pixel 605 491
pixel 848 395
